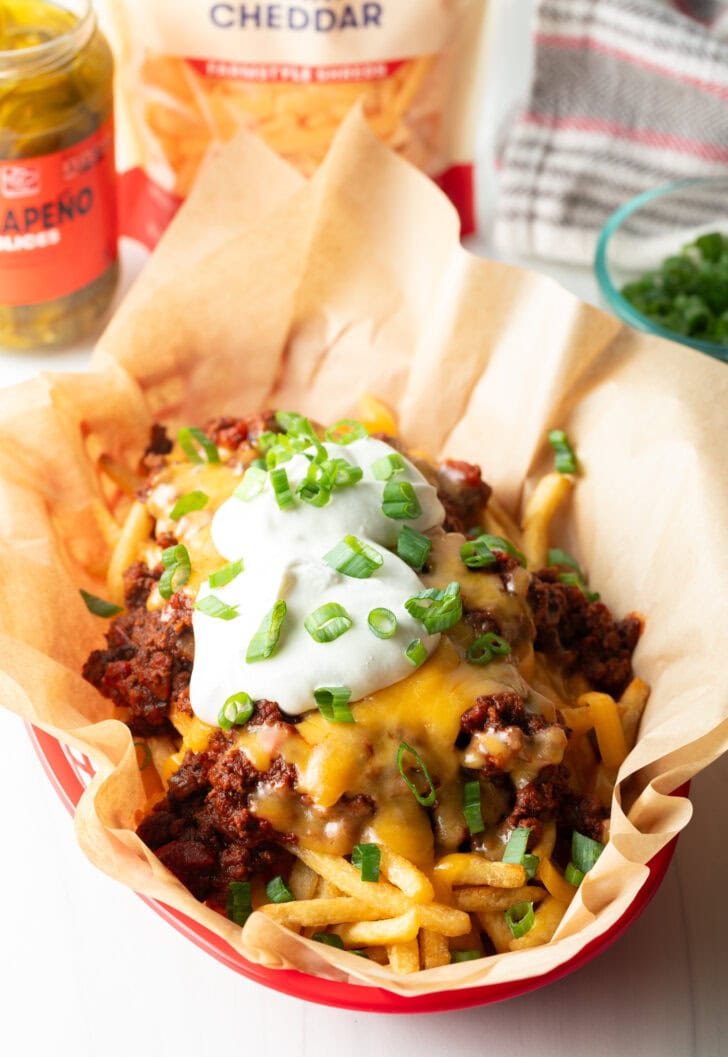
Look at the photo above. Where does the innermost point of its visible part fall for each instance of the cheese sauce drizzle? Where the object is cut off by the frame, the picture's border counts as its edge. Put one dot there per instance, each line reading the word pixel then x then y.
pixel 282 552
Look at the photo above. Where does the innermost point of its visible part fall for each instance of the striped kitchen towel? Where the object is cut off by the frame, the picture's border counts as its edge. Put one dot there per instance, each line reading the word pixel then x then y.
pixel 626 95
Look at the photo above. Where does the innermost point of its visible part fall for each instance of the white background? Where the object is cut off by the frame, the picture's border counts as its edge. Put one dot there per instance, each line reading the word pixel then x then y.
pixel 89 970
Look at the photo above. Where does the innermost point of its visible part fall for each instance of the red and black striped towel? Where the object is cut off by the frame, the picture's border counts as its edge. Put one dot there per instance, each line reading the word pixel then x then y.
pixel 626 95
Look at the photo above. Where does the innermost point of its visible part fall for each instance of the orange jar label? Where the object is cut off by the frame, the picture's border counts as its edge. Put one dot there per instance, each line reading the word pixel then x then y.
pixel 57 220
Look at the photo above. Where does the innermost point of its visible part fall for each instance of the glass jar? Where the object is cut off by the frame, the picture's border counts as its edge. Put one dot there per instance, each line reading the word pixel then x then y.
pixel 58 228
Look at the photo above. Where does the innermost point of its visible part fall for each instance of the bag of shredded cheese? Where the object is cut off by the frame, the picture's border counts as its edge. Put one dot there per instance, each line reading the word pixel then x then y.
pixel 194 72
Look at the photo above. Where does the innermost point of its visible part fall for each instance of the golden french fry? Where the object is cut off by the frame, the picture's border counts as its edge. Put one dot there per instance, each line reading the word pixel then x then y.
pixel 496 928
pixel 555 882
pixel 382 933
pixel 608 727
pixel 135 531
pixel 580 720
pixel 462 868
pixel 547 918
pixel 631 705
pixel 303 882
pixel 404 957
pixel 406 876
pixel 544 848
pixel 338 871
pixel 447 920
pixel 309 912
pixel 434 949
pixel 550 492
pixel 477 898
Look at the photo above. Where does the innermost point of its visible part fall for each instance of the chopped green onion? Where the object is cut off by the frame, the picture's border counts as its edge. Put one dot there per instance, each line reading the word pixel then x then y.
pixel 327 622
pixel 293 422
pixel 333 703
pixel 479 553
pixel 263 644
pixel 517 843
pixel 187 503
pixel 147 754
pixel 281 488
pixel 486 647
pixel 212 606
pixel 584 851
pixel 471 807
pixel 382 623
pixel 278 891
pixel 99 606
pixel 413 547
pixel 259 464
pixel 225 575
pixel 239 906
pixel 400 502
pixel 520 918
pixel 576 578
pixel 331 939
pixel 342 473
pixel 315 488
pixel 530 864
pixel 427 800
pixel 437 609
pixel 236 711
pixel 177 569
pixel 464 956
pixel 564 456
pixel 573 875
pixel 386 467
pixel 416 652
pixel 191 440
pixel 345 431
pixel 558 557
pixel 367 857
pixel 353 557
pixel 252 484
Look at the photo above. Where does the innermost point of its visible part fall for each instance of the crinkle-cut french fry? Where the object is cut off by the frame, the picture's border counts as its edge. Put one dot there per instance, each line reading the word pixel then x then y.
pixel 434 949
pixel 580 720
pixel 544 848
pixel 550 492
pixel 308 912
pixel 477 898
pixel 496 928
pixel 462 868
pixel 608 727
pixel 406 876
pixel 135 531
pixel 376 416
pixel 381 933
pixel 404 958
pixel 547 918
pixel 555 882
pixel 303 882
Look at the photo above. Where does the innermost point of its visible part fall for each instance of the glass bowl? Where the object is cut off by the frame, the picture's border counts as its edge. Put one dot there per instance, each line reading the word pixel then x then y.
pixel 650 227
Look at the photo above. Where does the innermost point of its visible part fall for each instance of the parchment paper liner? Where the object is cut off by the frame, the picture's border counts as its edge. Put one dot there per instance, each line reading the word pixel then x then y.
pixel 268 291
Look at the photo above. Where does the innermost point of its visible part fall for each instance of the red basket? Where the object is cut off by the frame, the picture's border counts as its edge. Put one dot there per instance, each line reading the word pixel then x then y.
pixel 69 773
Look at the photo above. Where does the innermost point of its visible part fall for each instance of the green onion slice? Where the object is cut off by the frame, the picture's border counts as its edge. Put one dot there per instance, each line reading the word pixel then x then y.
pixel 264 642
pixel 424 800
pixel 517 844
pixel 471 807
pixel 530 863
pixel 413 547
pixel 177 569
pixel 353 557
pixel 400 502
pixel 281 488
pixel 437 609
pixel 564 455
pixel 345 431
pixel 278 891
pixel 294 423
pixel 147 754
pixel 416 652
pixel 520 918
pixel 212 606
pixel 315 488
pixel 573 875
pixel 464 956
pixel 367 857
pixel 99 606
pixel 225 575
pixel 480 552
pixel 239 906
pixel 382 623
pixel 192 441
pixel 333 703
pixel 577 578
pixel 252 484
pixel 386 467
pixel 584 851
pixel 342 473
pixel 486 647
pixel 236 711
pixel 331 939
pixel 187 503
pixel 327 622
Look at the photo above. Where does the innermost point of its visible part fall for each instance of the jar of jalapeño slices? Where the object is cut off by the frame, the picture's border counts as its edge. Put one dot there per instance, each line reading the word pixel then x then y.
pixel 58 240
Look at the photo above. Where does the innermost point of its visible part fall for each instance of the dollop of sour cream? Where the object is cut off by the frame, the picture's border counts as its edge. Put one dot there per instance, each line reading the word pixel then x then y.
pixel 283 559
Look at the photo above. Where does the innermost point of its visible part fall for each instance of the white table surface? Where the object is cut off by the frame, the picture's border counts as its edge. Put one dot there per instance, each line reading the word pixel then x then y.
pixel 658 992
